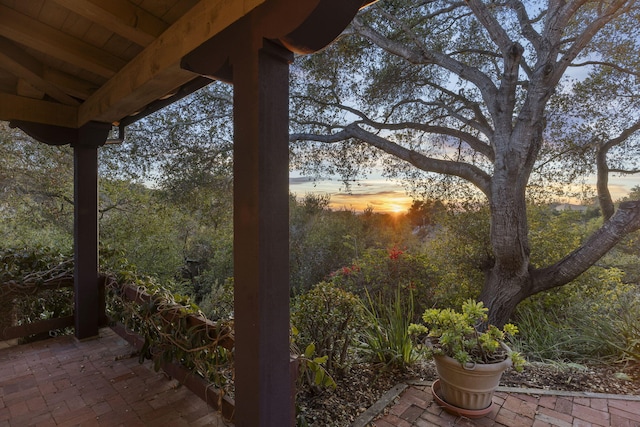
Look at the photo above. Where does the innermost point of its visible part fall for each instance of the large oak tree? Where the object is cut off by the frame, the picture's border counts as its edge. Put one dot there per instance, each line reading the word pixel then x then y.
pixel 498 95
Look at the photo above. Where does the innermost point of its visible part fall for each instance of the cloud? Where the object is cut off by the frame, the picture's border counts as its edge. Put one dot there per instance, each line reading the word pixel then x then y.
pixel 298 180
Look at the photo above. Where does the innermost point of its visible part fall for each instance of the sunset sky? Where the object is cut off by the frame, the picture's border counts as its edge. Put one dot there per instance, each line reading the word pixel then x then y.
pixel 388 197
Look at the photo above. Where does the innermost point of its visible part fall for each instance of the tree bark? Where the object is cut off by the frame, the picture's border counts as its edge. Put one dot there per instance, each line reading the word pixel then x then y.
pixel 506 287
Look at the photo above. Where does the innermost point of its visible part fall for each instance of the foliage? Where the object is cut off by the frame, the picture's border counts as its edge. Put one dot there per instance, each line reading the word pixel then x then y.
pixel 587 320
pixel 322 240
pixel 331 319
pixel 386 337
pixel 385 272
pixel 466 337
pixel 619 330
pixel 163 323
pixel 24 271
pixel 459 254
pixel 218 303
pixel 183 146
pixel 483 99
pixel 311 371
pixel 36 201
pixel 137 220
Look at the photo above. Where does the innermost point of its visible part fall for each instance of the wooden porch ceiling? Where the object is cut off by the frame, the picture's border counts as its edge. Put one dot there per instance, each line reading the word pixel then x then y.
pixel 68 62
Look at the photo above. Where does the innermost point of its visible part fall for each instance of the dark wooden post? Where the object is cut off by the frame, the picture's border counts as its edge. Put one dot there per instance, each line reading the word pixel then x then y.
pixel 85 234
pixel 261 234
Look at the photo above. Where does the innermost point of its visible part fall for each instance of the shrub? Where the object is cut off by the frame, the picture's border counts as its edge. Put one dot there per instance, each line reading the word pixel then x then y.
pixel 218 303
pixel 382 272
pixel 22 271
pixel 593 318
pixel 617 333
pixel 330 318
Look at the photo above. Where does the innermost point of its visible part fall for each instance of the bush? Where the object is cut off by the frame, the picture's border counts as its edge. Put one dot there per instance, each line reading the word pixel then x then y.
pixel 617 333
pixel 330 318
pixel 218 303
pixel 383 272
pixel 33 266
pixel 596 317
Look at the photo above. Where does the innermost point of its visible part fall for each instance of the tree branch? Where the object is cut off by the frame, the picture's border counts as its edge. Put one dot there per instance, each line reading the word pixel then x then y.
pixel 625 220
pixel 469 172
pixel 493 27
pixel 614 10
pixel 525 24
pixel 471 74
pixel 607 64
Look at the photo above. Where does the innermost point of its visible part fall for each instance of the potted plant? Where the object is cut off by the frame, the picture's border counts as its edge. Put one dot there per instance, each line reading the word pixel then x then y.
pixel 470 356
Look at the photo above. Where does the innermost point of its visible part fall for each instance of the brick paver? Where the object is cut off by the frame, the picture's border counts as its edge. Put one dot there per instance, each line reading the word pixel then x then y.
pixel 64 382
pixel 517 408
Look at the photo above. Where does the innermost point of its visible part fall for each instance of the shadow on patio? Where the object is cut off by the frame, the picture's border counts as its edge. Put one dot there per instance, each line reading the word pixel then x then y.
pixel 66 382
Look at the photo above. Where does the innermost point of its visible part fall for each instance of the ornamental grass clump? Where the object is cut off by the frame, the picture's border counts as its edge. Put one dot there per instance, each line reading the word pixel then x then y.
pixel 466 337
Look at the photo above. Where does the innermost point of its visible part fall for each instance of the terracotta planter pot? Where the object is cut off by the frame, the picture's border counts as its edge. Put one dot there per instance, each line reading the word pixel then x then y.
pixel 469 387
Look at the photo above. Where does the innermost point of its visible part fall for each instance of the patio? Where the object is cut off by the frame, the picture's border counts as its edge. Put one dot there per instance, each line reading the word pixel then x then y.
pixel 412 405
pixel 66 382
pixel 99 382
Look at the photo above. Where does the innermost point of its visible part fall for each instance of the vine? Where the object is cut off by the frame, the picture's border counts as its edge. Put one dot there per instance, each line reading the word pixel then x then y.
pixel 173 328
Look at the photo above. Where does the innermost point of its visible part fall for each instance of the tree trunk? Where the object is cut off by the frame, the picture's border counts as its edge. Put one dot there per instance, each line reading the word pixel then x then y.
pixel 502 293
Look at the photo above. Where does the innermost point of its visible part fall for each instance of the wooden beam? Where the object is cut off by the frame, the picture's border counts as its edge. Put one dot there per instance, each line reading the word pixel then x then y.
pixel 14 107
pixel 38 36
pixel 24 66
pixel 156 70
pixel 72 85
pixel 39 327
pixel 24 88
pixel 120 16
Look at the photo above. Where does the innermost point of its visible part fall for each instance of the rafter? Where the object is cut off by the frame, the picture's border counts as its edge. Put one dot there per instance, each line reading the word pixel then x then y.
pixel 19 63
pixel 156 70
pixel 71 85
pixel 14 107
pixel 38 36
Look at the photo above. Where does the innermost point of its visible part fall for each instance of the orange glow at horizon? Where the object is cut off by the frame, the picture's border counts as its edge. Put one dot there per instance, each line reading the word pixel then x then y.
pixel 379 194
pixel 384 196
pixel 391 202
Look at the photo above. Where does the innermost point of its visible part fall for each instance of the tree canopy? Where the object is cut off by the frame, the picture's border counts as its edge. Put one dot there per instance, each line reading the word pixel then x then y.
pixel 499 98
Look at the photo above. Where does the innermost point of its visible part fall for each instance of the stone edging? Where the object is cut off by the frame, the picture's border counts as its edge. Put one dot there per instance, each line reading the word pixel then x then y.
pixel 367 416
pixel 374 410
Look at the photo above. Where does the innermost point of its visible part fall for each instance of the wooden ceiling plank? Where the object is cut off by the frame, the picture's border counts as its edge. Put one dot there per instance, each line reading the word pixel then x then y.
pixel 24 66
pixel 31 33
pixel 202 22
pixel 53 15
pixel 121 17
pixel 14 107
pixel 178 9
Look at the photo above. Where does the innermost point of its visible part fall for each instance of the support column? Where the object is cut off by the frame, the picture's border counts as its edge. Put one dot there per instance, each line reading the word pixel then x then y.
pixel 261 235
pixel 85 231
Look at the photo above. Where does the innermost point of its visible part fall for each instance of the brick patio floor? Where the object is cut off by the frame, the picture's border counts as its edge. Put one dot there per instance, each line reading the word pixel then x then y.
pixel 64 382
pixel 415 407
